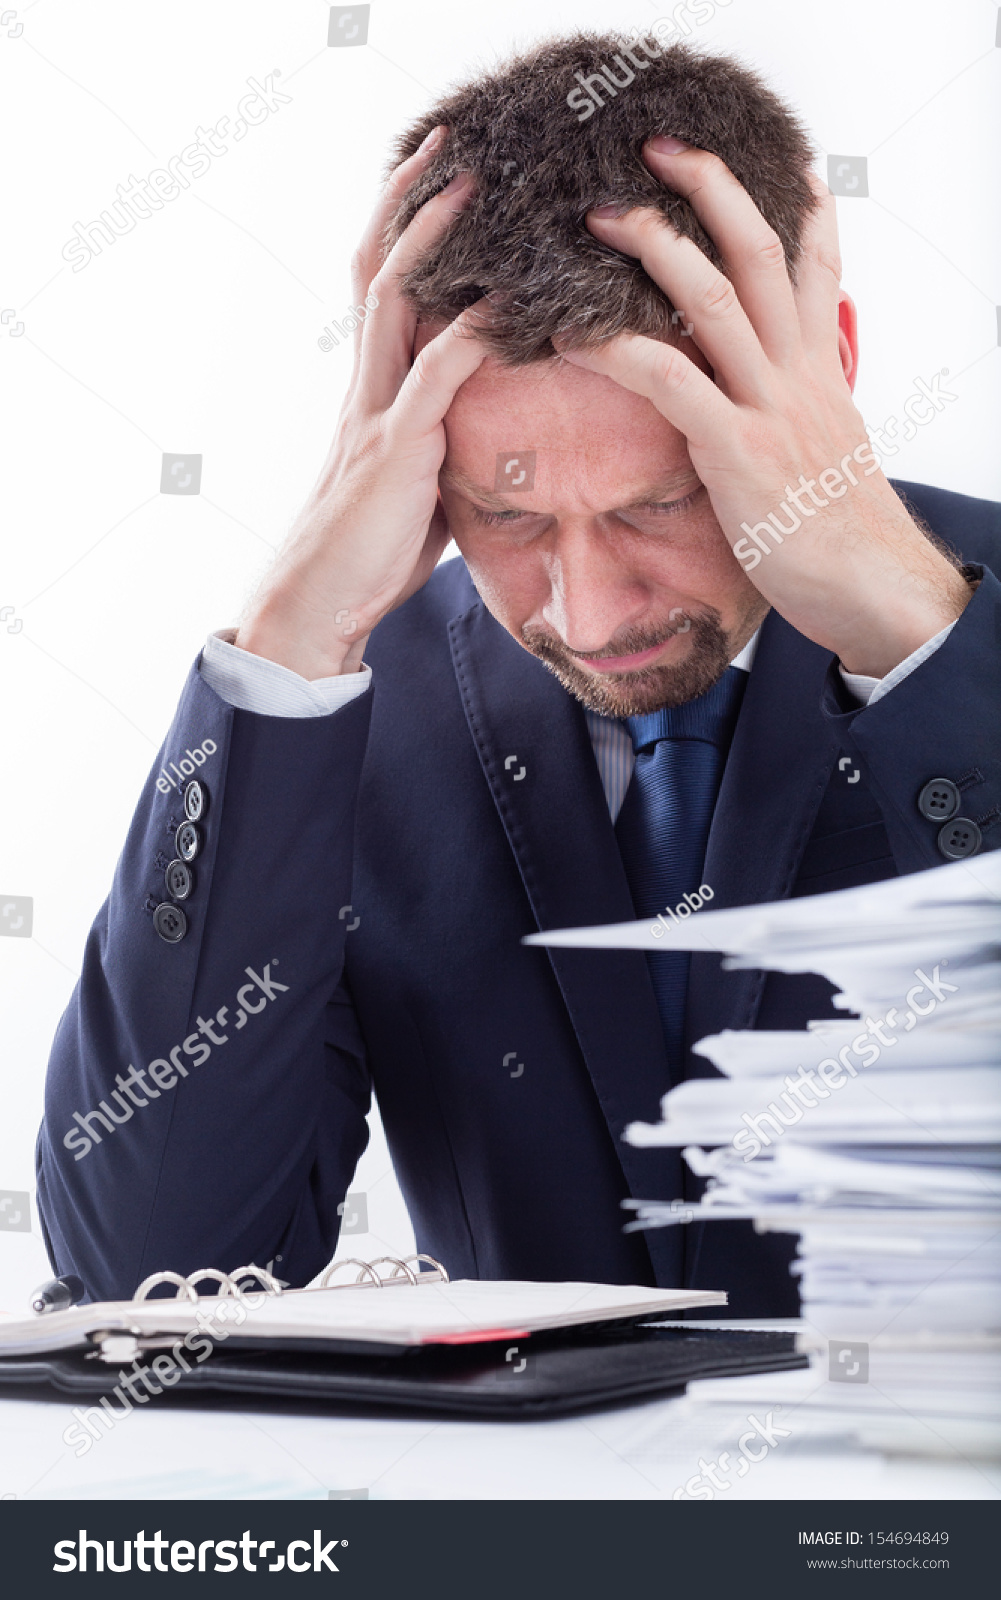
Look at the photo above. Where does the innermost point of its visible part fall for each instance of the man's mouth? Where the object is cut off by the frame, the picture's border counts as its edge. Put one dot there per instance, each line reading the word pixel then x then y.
pixel 627 663
pixel 646 676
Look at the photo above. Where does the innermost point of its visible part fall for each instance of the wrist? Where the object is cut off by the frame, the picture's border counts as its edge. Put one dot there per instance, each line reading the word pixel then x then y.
pixel 312 647
pixel 913 622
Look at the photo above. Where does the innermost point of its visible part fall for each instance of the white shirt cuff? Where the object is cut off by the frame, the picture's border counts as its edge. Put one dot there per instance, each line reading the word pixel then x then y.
pixel 251 683
pixel 868 690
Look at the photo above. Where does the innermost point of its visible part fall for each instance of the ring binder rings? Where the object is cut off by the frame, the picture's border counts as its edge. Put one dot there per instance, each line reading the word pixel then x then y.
pixel 230 1282
pixel 436 1275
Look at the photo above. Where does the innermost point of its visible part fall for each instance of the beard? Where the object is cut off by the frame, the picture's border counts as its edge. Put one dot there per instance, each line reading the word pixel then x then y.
pixel 631 694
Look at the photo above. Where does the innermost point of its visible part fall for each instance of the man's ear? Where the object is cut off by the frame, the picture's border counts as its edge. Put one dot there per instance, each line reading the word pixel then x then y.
pixel 848 339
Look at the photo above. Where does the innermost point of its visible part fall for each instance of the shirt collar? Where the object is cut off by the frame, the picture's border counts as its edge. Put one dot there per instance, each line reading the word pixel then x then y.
pixel 746 656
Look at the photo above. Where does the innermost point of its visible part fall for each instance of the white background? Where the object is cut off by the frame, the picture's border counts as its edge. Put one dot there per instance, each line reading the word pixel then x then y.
pixel 198 332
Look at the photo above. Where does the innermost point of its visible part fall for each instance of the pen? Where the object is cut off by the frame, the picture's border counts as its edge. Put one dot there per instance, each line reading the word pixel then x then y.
pixel 58 1294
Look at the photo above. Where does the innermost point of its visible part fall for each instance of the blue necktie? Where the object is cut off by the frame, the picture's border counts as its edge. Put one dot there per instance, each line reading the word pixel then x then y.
pixel 663 826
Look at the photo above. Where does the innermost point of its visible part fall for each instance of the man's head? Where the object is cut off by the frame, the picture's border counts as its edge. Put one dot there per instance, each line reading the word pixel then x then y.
pixel 605 558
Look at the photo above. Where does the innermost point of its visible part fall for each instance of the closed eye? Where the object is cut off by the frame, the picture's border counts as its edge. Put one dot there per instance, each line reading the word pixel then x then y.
pixel 668 508
pixel 662 508
pixel 499 518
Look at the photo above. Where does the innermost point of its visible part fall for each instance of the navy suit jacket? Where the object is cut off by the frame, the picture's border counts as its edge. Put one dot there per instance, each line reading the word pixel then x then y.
pixel 384 863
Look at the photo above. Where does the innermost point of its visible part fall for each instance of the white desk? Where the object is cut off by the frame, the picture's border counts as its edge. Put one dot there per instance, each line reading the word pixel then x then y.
pixel 643 1452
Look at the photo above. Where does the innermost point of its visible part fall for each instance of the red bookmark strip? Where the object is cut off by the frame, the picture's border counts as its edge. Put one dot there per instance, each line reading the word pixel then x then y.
pixel 478 1336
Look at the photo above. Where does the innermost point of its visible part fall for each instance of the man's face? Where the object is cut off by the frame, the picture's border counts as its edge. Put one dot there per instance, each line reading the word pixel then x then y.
pixel 611 567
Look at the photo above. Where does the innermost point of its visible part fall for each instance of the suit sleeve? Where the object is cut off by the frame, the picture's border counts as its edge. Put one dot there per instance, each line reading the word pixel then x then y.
pixel 941 721
pixel 205 1101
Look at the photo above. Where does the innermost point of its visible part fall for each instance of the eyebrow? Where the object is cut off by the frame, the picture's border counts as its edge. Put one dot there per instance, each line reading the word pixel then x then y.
pixel 474 491
pixel 656 494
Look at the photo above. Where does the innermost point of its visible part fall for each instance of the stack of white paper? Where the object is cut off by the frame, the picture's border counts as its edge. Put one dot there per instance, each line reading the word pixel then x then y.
pixel 876 1139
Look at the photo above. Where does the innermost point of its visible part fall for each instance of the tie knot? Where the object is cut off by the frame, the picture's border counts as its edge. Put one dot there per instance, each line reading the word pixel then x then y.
pixel 710 717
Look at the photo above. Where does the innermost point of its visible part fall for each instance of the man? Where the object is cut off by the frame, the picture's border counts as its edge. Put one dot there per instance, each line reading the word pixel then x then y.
pixel 695 638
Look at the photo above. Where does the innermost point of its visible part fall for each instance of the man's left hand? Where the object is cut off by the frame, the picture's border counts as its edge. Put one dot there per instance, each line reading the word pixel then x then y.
pixel 769 418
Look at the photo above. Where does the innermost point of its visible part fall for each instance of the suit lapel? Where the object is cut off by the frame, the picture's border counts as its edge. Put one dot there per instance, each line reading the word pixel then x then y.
pixel 559 829
pixel 556 820
pixel 778 768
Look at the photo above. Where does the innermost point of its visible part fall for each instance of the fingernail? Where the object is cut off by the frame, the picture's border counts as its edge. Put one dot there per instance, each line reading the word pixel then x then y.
pixel 604 213
pixel 458 182
pixel 664 144
pixel 433 140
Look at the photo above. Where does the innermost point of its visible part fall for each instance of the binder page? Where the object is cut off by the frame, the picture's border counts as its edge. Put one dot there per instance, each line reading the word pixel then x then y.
pixel 462 1312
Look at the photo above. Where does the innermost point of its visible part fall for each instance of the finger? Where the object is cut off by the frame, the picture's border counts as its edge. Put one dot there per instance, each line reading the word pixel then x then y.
pixel 686 396
pixel 433 549
pixel 387 342
pixel 437 374
pixel 818 291
pixel 707 300
pixel 368 257
pixel 753 252
pixel 371 253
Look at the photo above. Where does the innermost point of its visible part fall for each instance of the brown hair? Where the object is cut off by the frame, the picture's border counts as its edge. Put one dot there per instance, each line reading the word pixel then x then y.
pixel 542 159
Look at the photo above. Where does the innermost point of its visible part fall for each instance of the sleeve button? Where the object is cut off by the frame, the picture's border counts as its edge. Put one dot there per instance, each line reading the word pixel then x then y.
pixel 170 922
pixel 196 800
pixel 187 841
pixel 180 880
pixel 939 800
pixel 959 838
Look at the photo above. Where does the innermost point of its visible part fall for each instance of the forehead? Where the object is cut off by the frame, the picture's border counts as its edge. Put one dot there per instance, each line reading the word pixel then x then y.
pixel 578 421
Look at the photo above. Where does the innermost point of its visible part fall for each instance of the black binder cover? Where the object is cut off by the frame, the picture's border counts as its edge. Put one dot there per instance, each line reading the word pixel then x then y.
pixel 544 1375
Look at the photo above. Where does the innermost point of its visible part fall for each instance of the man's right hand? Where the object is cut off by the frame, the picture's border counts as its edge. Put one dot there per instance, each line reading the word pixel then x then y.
pixel 372 529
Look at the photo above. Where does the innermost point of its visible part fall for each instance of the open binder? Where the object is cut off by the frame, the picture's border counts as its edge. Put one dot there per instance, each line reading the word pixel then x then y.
pixel 407 1339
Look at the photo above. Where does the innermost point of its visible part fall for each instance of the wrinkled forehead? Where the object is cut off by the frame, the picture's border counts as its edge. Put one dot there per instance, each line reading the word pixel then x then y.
pixel 581 422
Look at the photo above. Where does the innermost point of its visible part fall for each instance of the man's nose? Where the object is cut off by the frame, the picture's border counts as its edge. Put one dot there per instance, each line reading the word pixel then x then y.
pixel 592 596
